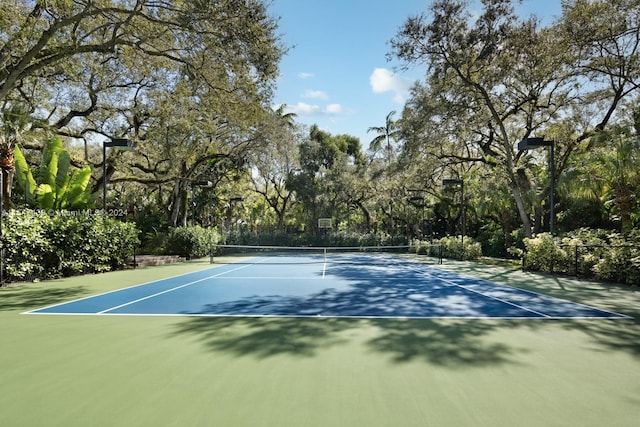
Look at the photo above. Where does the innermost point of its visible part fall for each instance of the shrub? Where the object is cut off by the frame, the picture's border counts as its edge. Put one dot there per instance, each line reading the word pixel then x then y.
pixel 152 223
pixel 590 253
pixel 331 238
pixel 584 248
pixel 494 242
pixel 621 261
pixel 422 247
pixel 192 241
pixel 452 248
pixel 543 254
pixel 38 245
pixel 25 244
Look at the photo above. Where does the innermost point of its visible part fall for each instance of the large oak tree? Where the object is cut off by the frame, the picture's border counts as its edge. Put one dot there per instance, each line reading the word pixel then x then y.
pixel 496 79
pixel 98 60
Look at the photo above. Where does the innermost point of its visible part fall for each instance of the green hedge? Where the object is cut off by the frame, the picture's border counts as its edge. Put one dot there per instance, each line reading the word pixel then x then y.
pixel 330 238
pixel 191 241
pixel 451 248
pixel 598 254
pixel 40 245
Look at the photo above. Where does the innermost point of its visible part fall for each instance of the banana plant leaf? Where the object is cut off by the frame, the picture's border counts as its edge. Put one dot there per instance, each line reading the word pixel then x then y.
pixel 24 177
pixel 78 192
pixel 45 196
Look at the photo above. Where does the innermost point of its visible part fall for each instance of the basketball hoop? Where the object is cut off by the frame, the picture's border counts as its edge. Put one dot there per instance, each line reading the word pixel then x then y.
pixel 324 223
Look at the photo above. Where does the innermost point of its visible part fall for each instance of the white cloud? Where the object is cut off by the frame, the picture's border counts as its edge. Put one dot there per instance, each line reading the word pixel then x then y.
pixel 305 76
pixel 302 109
pixel 315 94
pixel 335 109
pixel 383 80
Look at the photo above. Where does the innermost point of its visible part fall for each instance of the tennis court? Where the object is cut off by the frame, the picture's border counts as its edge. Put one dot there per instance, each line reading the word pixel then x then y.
pixel 240 370
pixel 345 285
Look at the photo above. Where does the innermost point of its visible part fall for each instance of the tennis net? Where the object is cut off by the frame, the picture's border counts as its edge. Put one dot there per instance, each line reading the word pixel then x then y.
pixel 223 254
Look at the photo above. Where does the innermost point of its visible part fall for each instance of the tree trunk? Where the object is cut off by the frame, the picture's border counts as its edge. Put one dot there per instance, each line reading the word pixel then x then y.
pixel 281 213
pixel 367 215
pixel 175 205
pixel 7 165
pixel 623 203
pixel 524 217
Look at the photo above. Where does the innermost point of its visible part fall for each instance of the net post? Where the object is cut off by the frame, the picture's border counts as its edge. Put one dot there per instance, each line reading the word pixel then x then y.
pixel 440 253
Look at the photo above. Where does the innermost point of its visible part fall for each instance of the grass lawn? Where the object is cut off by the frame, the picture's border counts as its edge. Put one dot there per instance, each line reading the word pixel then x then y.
pixel 194 371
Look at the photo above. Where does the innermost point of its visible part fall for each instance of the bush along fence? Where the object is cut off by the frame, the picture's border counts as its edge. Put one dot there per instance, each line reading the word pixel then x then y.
pixel 597 254
pixel 450 247
pixel 192 241
pixel 43 245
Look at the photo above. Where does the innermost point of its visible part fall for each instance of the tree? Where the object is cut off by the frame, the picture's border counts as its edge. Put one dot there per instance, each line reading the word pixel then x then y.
pixel 608 172
pixel 18 127
pixel 41 35
pixel 325 163
pixel 385 134
pixel 228 48
pixel 274 162
pixel 191 138
pixel 492 82
pixel 604 40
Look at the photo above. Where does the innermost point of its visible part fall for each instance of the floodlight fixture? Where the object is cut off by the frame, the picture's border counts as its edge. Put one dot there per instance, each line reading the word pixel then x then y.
pixel 453 182
pixel 197 183
pixel 528 143
pixel 123 144
pixel 207 184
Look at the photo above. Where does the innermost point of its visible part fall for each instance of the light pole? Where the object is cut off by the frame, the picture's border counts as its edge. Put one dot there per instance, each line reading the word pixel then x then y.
pixel 527 143
pixel 1 220
pixel 205 184
pixel 419 201
pixel 232 201
pixel 123 144
pixel 460 182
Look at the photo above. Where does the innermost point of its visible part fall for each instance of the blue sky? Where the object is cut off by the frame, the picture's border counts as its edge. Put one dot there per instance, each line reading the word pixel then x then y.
pixel 336 73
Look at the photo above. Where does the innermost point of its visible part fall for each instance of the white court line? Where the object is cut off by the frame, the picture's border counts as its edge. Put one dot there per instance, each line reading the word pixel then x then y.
pixel 416 267
pixel 170 290
pixel 537 294
pixel 355 316
pixel 271 277
pixel 117 290
pixel 36 310
pixel 485 295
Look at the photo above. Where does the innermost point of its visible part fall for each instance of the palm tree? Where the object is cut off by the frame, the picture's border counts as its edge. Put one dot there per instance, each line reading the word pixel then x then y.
pixel 386 133
pixel 391 130
pixel 609 173
pixel 618 166
pixel 288 119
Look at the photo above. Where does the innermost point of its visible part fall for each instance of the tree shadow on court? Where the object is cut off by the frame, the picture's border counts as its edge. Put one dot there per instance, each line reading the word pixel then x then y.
pixel 265 337
pixel 29 297
pixel 605 334
pixel 440 342
pixel 360 290
pixel 391 291
pixel 386 291
pixel 605 296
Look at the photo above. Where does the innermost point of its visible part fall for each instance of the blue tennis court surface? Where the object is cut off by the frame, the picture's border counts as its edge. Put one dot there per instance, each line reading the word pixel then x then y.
pixel 343 286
